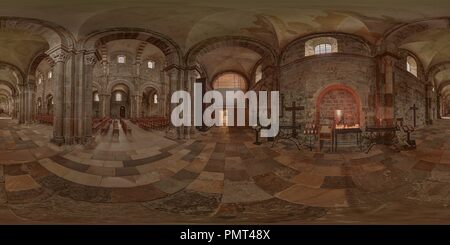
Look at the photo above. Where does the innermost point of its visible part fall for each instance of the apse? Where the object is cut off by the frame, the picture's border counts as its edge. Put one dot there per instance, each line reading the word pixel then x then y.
pixel 338 105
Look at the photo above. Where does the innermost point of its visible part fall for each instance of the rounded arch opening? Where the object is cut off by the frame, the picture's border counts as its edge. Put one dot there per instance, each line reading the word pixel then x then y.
pixel 338 104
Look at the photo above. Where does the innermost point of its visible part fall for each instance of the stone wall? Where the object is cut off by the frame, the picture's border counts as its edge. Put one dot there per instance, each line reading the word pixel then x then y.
pixel 339 99
pixel 409 91
pixel 303 81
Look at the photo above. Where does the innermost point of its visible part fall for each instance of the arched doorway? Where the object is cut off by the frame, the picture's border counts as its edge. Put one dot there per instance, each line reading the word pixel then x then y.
pixel 338 105
pixel 39 106
pixel 50 104
pixel 229 81
pixel 95 104
pixel 120 101
pixel 122 112
pixel 150 104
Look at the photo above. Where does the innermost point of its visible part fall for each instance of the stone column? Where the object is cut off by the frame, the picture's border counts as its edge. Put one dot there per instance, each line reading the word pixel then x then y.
pixel 438 105
pixel 133 105
pixel 191 132
pixel 29 101
pixel 21 103
pixel 59 57
pixel 108 105
pixel 102 105
pixel 89 61
pixel 428 93
pixel 386 111
pixel 137 111
pixel 174 85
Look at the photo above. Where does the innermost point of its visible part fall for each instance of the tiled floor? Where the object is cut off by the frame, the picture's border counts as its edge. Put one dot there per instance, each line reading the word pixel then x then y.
pixel 219 176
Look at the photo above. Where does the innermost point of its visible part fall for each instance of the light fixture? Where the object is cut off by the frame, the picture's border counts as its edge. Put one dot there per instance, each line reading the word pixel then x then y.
pixel 338 116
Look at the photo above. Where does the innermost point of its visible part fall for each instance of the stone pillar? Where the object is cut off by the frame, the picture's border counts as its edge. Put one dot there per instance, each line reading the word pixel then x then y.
pixel 89 60
pixel 102 105
pixel 386 110
pixel 191 132
pixel 438 105
pixel 16 107
pixel 137 99
pixel 174 85
pixel 29 101
pixel 428 93
pixel 107 105
pixel 21 103
pixel 59 57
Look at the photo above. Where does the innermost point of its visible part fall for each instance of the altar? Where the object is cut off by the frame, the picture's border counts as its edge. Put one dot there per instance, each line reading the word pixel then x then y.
pixel 344 130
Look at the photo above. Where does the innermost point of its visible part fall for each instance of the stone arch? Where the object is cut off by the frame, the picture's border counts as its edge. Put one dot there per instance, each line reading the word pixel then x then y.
pixel 97 86
pixel 443 85
pixel 121 81
pixel 14 70
pixel 319 95
pixel 57 38
pixel 203 47
pixel 392 38
pixel 436 69
pixel 152 85
pixel 255 68
pixel 170 49
pixel 55 35
pixel 33 68
pixel 214 78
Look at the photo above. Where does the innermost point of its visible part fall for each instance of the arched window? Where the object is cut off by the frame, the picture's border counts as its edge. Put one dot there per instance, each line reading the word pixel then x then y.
pixel 121 59
pixel 40 80
pixel 321 45
pixel 96 97
pixel 118 97
pixel 150 64
pixel 155 99
pixel 411 65
pixel 258 74
pixel 323 48
pixel 49 74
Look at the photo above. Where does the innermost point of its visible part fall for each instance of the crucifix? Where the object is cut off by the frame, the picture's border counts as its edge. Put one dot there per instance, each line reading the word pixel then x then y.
pixel 414 108
pixel 294 109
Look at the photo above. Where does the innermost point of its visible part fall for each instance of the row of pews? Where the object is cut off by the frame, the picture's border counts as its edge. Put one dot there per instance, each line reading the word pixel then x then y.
pixel 125 128
pixel 44 118
pixel 101 124
pixel 104 124
pixel 151 123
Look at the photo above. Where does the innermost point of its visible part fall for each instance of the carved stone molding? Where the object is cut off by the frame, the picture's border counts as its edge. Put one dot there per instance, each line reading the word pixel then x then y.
pixel 90 59
pixel 59 55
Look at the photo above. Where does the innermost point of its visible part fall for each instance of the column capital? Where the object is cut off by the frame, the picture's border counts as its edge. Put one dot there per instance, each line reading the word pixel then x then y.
pixel 90 59
pixel 59 55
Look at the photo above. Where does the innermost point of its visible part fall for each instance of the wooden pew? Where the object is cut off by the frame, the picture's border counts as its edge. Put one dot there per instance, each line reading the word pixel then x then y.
pixel 115 128
pixel 126 129
pixel 44 118
pixel 151 123
pixel 105 127
pixel 98 123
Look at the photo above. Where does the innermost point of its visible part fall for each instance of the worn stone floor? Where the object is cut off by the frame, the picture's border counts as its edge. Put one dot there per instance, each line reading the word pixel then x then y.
pixel 218 177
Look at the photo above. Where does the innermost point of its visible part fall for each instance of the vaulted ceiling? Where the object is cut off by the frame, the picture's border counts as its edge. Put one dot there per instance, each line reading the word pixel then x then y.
pixel 188 22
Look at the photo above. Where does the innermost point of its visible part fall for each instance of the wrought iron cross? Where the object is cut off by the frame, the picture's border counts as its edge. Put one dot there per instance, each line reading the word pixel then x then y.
pixel 294 109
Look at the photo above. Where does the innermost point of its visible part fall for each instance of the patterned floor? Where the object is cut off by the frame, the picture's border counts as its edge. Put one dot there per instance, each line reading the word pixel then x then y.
pixel 220 177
